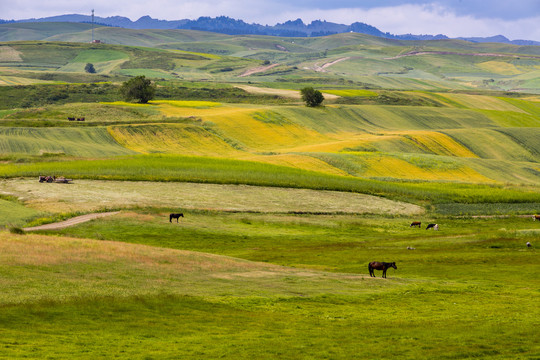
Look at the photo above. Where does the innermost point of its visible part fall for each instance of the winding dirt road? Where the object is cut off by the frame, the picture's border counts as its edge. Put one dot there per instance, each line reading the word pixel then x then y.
pixel 70 222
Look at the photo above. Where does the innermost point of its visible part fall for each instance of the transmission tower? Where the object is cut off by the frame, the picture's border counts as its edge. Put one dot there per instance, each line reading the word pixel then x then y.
pixel 92 25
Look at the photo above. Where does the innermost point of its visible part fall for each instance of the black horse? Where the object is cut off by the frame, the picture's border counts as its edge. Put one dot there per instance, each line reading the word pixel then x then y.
pixel 175 216
pixel 376 265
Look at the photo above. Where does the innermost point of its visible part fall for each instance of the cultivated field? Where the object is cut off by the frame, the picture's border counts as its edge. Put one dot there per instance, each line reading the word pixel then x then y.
pixel 284 206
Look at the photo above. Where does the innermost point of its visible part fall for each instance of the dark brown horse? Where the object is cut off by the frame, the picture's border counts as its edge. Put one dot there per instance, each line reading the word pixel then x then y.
pixel 175 216
pixel 377 265
pixel 416 223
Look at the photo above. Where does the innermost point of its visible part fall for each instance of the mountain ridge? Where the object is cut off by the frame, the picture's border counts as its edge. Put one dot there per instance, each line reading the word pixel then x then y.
pixel 230 26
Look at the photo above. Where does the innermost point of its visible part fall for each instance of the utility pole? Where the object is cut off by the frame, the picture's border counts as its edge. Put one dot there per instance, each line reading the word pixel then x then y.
pixel 92 25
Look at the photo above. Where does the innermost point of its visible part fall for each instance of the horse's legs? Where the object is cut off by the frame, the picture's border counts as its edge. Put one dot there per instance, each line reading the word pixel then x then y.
pixel 384 273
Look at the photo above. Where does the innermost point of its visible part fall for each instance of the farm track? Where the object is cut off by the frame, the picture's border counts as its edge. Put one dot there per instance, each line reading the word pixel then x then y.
pixel 70 222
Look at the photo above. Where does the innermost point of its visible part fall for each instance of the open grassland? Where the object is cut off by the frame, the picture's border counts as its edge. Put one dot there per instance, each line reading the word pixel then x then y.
pixel 15 213
pixel 296 286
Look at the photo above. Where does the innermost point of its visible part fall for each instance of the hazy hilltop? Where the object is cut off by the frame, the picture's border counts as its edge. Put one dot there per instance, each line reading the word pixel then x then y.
pixel 346 59
pixel 227 25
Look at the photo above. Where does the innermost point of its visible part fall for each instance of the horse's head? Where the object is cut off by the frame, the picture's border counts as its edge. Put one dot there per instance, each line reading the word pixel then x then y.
pixel 393 265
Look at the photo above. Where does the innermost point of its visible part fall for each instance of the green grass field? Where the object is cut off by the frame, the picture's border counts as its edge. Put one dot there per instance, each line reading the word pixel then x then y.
pixel 284 206
pixel 458 294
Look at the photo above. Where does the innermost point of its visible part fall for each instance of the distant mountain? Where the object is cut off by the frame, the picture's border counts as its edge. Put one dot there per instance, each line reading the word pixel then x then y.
pixel 227 25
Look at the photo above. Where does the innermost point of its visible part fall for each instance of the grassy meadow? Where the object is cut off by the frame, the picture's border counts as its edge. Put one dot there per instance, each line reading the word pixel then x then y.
pixel 284 206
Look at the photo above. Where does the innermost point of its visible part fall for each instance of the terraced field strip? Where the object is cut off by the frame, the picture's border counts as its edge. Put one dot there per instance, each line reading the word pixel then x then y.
pixel 89 195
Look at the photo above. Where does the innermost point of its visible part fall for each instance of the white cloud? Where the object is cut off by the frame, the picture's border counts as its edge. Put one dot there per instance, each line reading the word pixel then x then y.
pixel 422 19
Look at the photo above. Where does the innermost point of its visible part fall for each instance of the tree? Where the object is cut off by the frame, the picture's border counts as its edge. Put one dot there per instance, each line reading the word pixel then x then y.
pixel 312 97
pixel 89 68
pixel 139 88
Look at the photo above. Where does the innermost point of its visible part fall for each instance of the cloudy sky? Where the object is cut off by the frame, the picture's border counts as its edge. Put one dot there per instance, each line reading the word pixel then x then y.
pixel 517 19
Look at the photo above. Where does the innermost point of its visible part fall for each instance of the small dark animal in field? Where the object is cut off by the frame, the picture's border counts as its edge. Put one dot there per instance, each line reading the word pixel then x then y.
pixel 410 248
pixel 536 217
pixel 48 179
pixel 529 244
pixel 432 226
pixel 80 119
pixel 416 223
pixel 175 216
pixel 71 118
pixel 377 265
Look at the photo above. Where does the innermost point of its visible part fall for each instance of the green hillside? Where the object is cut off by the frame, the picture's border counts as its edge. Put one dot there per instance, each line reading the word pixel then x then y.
pixel 356 59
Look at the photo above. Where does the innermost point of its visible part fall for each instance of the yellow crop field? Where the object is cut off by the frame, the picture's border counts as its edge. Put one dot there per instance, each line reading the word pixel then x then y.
pixel 247 125
pixel 299 161
pixel 171 139
pixel 352 92
pixel 187 104
pixel 438 143
pixel 500 67
pixel 15 80
pixel 379 165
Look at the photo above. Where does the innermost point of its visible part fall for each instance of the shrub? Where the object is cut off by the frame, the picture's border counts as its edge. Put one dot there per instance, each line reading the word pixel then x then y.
pixel 139 88
pixel 312 97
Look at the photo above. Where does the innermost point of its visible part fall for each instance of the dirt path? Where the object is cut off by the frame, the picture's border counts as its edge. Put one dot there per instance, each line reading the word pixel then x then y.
pixel 257 70
pixel 70 222
pixel 328 64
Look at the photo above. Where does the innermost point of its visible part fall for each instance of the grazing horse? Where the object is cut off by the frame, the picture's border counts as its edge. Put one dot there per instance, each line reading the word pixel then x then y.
pixel 416 223
pixel 71 118
pixel 175 216
pixel 376 265
pixel 536 217
pixel 432 226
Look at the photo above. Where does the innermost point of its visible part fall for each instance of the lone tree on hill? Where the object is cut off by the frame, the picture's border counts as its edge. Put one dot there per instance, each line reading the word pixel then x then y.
pixel 139 88
pixel 89 68
pixel 312 97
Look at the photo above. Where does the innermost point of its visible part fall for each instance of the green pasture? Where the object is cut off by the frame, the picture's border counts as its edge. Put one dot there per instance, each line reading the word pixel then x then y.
pixel 87 142
pixel 15 213
pixel 289 286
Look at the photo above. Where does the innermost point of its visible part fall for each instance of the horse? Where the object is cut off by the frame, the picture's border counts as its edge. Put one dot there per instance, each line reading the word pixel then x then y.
pixel 432 226
pixel 175 216
pixel 415 223
pixel 376 265
pixel 536 217
pixel 71 118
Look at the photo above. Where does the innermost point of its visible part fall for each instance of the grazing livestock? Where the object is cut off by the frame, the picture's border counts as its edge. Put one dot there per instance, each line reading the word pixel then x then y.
pixel 432 226
pixel 536 217
pixel 80 119
pixel 175 216
pixel 376 265
pixel 416 223
pixel 410 248
pixel 71 118
pixel 529 244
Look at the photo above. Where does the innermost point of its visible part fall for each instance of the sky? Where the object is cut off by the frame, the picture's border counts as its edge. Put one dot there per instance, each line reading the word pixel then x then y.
pixel 517 19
